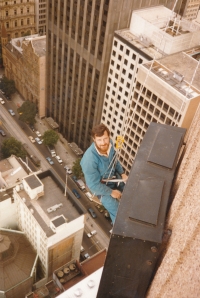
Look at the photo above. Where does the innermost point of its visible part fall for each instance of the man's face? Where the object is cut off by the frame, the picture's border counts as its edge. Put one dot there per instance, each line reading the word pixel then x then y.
pixel 102 143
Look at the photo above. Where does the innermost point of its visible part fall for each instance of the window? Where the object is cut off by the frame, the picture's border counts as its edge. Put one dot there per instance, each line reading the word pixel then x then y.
pixel 22 22
pixel 114 53
pixel 127 52
pixel 6 13
pixel 21 10
pixel 15 23
pixel 15 12
pixel 119 57
pixel 27 9
pixel 115 43
pixel 28 21
pixel 132 66
pixel 133 56
pixel 121 48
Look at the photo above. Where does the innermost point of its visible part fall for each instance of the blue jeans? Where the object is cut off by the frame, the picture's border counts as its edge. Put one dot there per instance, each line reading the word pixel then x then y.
pixel 110 203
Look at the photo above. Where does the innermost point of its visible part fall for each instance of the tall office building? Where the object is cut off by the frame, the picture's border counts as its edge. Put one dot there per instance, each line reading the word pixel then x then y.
pixel 148 38
pixel 40 16
pixel 79 41
pixel 189 9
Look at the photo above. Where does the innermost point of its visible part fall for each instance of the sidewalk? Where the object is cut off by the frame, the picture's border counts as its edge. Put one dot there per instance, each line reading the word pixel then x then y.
pixel 62 147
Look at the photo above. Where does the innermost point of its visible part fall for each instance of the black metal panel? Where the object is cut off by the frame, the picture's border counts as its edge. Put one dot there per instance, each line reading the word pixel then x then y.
pixel 149 194
pixel 128 268
pixel 164 153
pixel 138 230
pixel 143 225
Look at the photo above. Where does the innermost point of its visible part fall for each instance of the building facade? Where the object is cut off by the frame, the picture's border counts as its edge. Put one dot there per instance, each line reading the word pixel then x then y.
pixel 189 9
pixel 78 54
pixel 18 17
pixel 25 63
pixel 149 38
pixel 40 16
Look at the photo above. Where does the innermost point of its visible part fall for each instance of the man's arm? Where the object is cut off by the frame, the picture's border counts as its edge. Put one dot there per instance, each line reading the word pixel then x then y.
pixel 92 176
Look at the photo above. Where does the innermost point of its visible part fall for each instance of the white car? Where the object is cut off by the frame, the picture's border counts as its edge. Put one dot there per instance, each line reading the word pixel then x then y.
pixel 68 170
pixel 38 141
pixel 59 159
pixel 2 101
pixel 89 196
pixel 12 113
pixel 38 133
pixel 92 233
pixel 31 139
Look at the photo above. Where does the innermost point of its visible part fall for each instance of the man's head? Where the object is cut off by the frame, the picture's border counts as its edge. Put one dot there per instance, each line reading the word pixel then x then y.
pixel 101 137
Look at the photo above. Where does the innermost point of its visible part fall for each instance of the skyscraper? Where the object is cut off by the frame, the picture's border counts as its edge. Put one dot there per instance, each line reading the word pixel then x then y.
pixel 79 41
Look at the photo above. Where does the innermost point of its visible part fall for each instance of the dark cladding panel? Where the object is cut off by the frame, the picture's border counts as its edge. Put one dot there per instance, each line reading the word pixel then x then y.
pixel 148 197
pixel 164 153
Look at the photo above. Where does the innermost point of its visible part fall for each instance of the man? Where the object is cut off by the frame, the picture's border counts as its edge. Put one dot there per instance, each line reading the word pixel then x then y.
pixel 98 163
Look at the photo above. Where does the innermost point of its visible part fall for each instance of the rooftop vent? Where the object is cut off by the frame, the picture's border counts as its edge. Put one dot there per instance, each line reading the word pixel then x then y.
pixel 177 76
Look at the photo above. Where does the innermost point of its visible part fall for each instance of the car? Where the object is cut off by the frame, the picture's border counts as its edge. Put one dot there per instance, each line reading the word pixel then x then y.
pixel 2 101
pixel 2 133
pixel 32 127
pixel 59 159
pixel 82 248
pixel 38 133
pixel 92 233
pixel 38 141
pixel 31 139
pixel 86 256
pixel 89 196
pixel 50 160
pixel 76 193
pixel 91 211
pixel 12 113
pixel 68 170
pixel 74 178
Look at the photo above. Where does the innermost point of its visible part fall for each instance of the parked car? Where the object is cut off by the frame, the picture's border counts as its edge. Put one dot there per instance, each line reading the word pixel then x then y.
pixel 89 196
pixel 91 211
pixel 50 160
pixel 86 256
pixel 59 159
pixel 68 170
pixel 2 132
pixel 12 113
pixel 92 233
pixel 76 193
pixel 32 127
pixel 38 133
pixel 2 101
pixel 38 141
pixel 31 139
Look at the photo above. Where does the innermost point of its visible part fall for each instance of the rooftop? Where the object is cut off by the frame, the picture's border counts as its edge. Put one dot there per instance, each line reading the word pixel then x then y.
pixel 16 267
pixel 51 206
pixel 180 70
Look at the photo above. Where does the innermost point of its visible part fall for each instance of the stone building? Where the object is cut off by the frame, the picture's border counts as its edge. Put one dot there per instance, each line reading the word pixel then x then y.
pixel 40 16
pixel 24 61
pixel 18 17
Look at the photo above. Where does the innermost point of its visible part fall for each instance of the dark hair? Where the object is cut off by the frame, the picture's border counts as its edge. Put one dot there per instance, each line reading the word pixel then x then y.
pixel 99 129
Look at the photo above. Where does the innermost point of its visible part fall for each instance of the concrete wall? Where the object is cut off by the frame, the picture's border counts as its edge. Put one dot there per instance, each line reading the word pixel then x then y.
pixel 179 272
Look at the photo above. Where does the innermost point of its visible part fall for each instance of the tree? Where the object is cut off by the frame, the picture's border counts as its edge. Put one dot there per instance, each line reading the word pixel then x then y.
pixel 8 86
pixel 76 169
pixel 27 112
pixel 50 137
pixel 12 146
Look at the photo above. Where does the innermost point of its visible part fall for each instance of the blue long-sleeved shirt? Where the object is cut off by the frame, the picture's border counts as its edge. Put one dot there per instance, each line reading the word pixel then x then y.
pixel 95 167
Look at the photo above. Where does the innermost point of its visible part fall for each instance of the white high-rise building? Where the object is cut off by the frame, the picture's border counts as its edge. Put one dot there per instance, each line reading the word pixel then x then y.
pixel 154 33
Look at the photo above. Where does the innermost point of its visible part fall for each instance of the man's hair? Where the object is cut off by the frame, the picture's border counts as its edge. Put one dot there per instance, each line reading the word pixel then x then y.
pixel 99 129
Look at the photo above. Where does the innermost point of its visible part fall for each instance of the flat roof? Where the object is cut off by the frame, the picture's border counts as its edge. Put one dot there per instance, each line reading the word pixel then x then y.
pixel 51 205
pixel 33 181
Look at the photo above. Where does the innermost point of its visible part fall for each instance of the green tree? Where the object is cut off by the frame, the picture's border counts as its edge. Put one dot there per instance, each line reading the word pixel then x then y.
pixel 8 86
pixel 27 112
pixel 50 137
pixel 12 146
pixel 76 169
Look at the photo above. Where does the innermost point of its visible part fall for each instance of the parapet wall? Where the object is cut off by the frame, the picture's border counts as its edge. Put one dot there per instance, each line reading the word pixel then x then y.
pixel 179 272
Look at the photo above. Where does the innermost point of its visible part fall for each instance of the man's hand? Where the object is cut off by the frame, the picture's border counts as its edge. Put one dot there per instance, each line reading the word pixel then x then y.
pixel 124 177
pixel 116 194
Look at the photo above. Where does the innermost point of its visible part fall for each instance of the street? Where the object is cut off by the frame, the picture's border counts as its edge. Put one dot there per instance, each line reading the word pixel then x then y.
pixel 21 131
